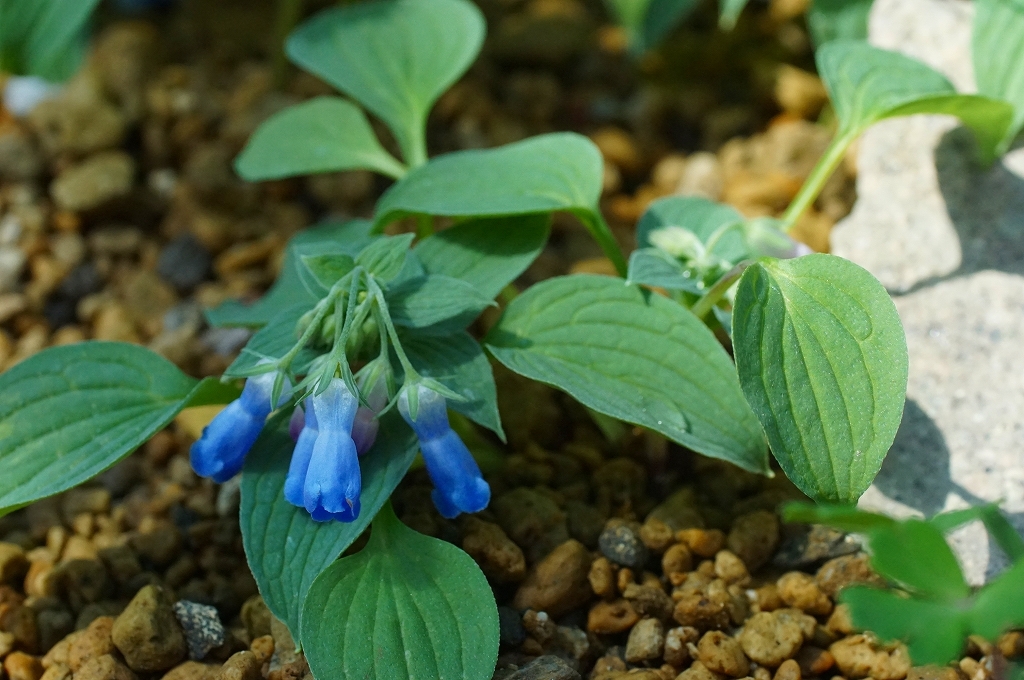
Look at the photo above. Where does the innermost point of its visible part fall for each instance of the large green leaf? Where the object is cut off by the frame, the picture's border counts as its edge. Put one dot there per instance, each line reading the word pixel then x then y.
pixel 287 550
pixel 429 300
pixel 295 286
pixel 554 172
pixel 69 413
pixel 488 253
pixel 637 357
pixel 326 134
pixel 915 554
pixel 45 38
pixel 395 57
pixel 822 359
pixel 838 19
pixel 457 362
pixel 405 607
pixel 997 44
pixel 1000 605
pixel 868 84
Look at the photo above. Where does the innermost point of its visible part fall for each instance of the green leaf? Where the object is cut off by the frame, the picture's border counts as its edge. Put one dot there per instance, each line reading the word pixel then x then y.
pixel 385 256
pixel 395 57
pixel 287 550
pixel 868 84
pixel 489 253
pixel 700 216
pixel 69 413
pixel 934 631
pixel 843 517
pixel 915 554
pixel 822 359
pixel 1002 531
pixel 328 269
pixel 458 363
pixel 325 134
pixel 729 13
pixel 838 20
pixel 637 357
pixel 543 174
pixel 997 43
pixel 45 38
pixel 662 16
pixel 1000 605
pixel 655 267
pixel 406 606
pixel 295 285
pixel 421 303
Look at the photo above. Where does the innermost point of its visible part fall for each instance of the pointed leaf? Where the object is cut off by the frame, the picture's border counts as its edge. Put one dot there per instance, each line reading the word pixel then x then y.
pixel 637 357
pixel 843 517
pixel 1000 605
pixel 69 413
pixel 654 267
pixel 997 44
pixel 406 606
pixel 822 359
pixel 328 269
pixel 385 257
pixel 326 134
pixel 838 20
pixel 916 555
pixel 488 254
pixel 395 57
pixel 427 301
pixel 287 550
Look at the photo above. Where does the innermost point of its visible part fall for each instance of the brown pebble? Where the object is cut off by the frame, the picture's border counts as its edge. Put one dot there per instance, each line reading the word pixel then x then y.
pixel 263 648
pixel 558 583
pixel 788 670
pixel 699 671
pixel 730 568
pixel 57 671
pixel 762 673
pixel 768 598
pixel 800 590
pixel 256 616
pixel 843 571
pixel 611 617
pixel 656 535
pixel 624 579
pixel 704 608
pixel 858 656
pixel 754 537
pixel 702 542
pixel 147 632
pixel 93 642
pixel 933 672
pixel 677 642
pixel 192 670
pixel 676 560
pixel 241 666
pixel 22 666
pixel 650 600
pixel 769 640
pixel 104 667
pixel 60 653
pixel 13 564
pixel 602 578
pixel 814 660
pixel 490 546
pixel 20 621
pixel 840 622
pixel 722 654
pixel 1011 644
pixel 646 641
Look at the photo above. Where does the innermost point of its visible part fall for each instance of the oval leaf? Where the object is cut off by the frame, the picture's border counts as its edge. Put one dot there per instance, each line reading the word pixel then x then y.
pixel 915 554
pixel 822 359
pixel 69 413
pixel 637 357
pixel 997 44
pixel 326 134
pixel 406 606
pixel 287 550
pixel 868 84
pixel 699 215
pixel 838 19
pixel 393 56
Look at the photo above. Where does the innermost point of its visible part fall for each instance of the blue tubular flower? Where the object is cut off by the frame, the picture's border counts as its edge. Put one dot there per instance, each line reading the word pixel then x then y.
pixel 333 483
pixel 220 452
pixel 296 479
pixel 458 484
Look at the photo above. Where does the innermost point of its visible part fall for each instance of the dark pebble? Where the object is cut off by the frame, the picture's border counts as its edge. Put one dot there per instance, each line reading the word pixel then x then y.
pixel 622 545
pixel 184 263
pixel 60 311
pixel 81 281
pixel 546 668
pixel 510 627
pixel 202 627
pixel 53 625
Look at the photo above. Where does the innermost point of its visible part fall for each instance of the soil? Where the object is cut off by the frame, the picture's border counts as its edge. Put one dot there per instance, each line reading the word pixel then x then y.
pixel 121 219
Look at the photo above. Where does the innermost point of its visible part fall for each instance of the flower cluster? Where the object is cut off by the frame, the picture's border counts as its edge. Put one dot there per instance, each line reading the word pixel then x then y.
pixel 330 434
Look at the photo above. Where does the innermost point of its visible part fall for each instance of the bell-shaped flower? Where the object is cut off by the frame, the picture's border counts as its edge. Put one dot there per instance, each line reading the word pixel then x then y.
pixel 332 485
pixel 304 440
pixel 220 452
pixel 364 430
pixel 458 484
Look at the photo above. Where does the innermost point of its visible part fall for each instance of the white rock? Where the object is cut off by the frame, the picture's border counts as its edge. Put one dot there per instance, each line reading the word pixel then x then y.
pixel 24 93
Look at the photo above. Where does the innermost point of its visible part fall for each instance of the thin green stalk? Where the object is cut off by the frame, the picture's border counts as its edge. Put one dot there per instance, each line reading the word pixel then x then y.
pixel 602 233
pixel 288 14
pixel 815 182
pixel 389 326
pixel 718 291
pixel 415 148
pixel 424 226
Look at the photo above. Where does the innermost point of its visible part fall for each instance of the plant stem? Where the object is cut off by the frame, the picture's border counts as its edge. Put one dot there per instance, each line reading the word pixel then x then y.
pixel 415 148
pixel 815 182
pixel 718 291
pixel 602 233
pixel 288 14
pixel 389 326
pixel 424 226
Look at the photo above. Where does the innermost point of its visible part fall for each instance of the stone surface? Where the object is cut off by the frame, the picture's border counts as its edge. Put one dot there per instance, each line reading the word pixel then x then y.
pixel 147 632
pixel 944 235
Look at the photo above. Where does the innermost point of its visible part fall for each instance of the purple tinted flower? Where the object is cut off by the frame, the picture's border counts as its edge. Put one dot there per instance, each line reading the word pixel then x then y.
pixel 364 430
pixel 458 484
pixel 296 479
pixel 220 452
pixel 333 482
pixel 296 423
